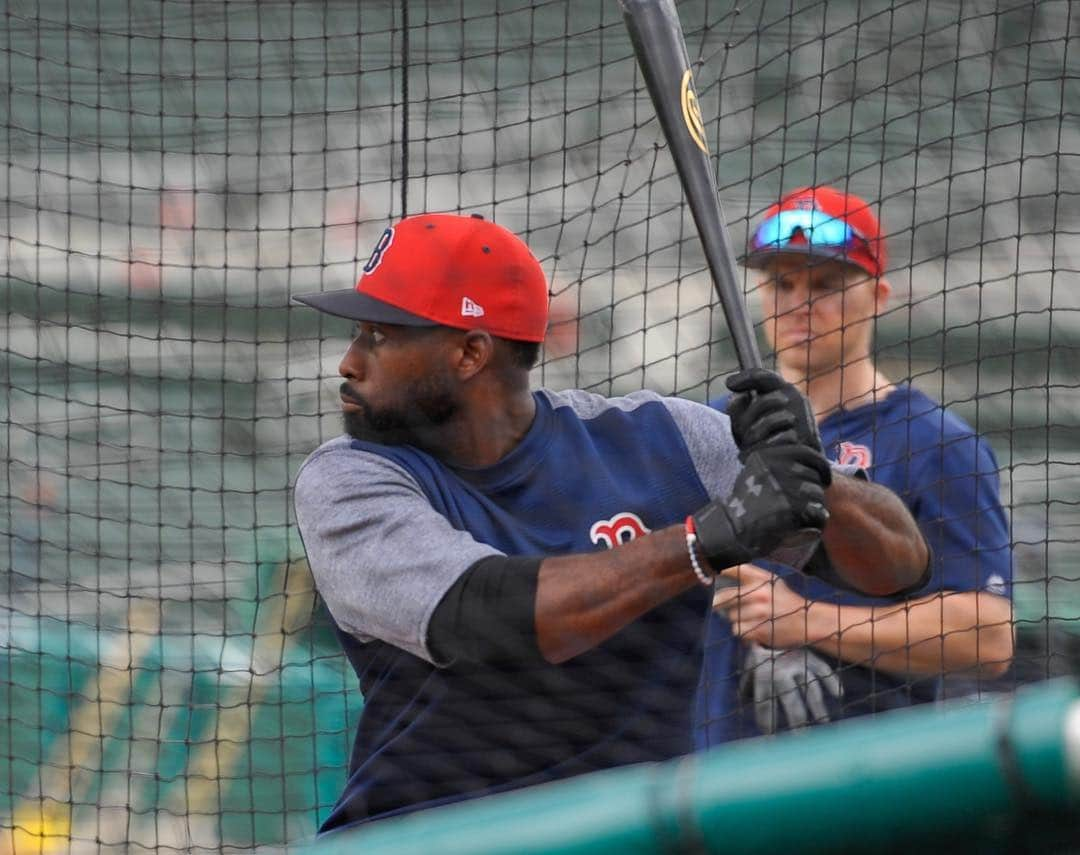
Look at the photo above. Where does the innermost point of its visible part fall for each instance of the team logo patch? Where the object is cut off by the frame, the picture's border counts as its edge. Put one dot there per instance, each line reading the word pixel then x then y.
pixel 691 111
pixel 853 454
pixel 381 247
pixel 471 309
pixel 621 528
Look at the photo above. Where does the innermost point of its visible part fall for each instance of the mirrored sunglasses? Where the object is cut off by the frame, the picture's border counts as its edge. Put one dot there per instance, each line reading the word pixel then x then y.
pixel 815 227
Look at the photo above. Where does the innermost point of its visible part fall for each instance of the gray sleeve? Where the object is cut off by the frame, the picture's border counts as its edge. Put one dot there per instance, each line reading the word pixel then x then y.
pixel 381 556
pixel 707 434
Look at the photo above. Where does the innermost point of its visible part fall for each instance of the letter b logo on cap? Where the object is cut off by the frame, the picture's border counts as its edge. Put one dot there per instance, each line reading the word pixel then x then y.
pixel 385 240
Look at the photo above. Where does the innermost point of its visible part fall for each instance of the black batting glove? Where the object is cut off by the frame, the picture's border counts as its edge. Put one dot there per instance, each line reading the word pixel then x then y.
pixel 766 410
pixel 780 490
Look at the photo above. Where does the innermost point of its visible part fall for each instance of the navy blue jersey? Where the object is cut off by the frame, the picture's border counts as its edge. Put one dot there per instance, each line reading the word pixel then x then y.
pixel 948 478
pixel 389 529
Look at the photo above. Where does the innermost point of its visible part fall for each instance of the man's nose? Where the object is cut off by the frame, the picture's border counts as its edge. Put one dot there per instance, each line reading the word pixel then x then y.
pixel 352 365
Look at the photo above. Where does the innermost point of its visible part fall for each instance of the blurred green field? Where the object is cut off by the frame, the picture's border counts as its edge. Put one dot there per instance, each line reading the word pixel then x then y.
pixel 148 737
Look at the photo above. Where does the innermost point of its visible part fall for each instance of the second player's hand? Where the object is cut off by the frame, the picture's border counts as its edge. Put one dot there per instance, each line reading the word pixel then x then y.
pixel 789 689
pixel 762 608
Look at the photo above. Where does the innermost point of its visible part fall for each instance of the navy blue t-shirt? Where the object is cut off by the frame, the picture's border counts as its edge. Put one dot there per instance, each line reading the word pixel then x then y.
pixel 388 530
pixel 948 478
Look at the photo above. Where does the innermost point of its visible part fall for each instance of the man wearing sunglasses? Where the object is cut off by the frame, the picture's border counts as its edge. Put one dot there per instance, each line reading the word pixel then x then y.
pixel 784 649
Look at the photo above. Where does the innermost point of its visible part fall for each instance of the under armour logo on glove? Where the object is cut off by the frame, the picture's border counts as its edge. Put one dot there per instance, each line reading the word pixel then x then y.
pixel 470 309
pixel 778 491
pixel 789 689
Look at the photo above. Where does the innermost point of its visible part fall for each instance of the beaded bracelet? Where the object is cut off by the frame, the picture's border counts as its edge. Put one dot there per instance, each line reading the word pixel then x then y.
pixel 691 547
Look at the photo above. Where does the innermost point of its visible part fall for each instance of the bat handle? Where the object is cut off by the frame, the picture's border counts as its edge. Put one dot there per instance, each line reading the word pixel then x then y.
pixel 799 541
pixel 801 538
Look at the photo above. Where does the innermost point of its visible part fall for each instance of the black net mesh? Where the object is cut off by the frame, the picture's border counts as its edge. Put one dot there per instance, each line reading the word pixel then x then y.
pixel 172 173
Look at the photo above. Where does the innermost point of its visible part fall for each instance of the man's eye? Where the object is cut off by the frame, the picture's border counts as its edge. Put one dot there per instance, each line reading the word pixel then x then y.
pixel 369 336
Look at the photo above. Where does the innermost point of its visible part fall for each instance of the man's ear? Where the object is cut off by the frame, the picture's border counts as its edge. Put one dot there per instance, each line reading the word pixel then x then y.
pixel 882 292
pixel 476 350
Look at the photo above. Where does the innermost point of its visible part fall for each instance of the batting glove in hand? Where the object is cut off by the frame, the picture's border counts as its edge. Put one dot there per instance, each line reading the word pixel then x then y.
pixel 789 688
pixel 780 490
pixel 767 410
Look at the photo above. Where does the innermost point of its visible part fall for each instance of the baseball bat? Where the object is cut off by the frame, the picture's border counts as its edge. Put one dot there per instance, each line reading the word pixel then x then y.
pixel 656 34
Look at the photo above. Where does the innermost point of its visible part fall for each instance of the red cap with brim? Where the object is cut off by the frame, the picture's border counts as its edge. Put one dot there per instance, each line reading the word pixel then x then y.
pixel 871 254
pixel 447 270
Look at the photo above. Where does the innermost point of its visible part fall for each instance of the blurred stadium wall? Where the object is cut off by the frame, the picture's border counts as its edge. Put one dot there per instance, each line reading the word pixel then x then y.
pixel 172 172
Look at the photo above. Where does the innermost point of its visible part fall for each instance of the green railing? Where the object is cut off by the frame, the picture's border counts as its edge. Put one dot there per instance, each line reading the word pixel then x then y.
pixel 998 776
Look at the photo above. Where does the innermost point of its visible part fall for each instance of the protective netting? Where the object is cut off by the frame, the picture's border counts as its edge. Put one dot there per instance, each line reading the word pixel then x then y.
pixel 173 172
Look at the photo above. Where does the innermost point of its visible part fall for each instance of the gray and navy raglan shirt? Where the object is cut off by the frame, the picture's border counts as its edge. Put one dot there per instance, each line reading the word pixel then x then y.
pixel 390 529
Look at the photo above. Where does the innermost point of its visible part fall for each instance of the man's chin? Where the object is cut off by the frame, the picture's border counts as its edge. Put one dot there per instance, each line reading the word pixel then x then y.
pixel 805 354
pixel 358 427
pixel 793 351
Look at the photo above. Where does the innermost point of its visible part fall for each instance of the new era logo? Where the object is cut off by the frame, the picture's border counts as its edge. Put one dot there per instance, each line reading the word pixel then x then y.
pixel 469 309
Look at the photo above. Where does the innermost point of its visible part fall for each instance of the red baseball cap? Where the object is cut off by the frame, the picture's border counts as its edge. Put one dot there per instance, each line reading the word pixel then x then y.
pixel 451 270
pixel 821 222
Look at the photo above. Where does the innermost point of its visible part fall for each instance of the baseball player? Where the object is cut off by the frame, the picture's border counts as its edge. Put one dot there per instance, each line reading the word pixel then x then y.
pixel 519 578
pixel 811 651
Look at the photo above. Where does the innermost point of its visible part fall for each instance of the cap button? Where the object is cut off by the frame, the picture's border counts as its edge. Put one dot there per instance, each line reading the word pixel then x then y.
pixel 477 216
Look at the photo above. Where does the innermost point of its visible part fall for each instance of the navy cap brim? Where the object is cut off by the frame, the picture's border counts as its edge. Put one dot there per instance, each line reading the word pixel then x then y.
pixel 355 306
pixel 759 259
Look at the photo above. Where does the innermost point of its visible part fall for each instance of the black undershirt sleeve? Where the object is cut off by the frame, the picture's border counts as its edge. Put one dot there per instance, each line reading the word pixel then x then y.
pixel 488 615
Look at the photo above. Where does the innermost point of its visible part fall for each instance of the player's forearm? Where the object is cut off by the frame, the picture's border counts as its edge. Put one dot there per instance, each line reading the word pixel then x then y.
pixel 581 600
pixel 945 633
pixel 872 540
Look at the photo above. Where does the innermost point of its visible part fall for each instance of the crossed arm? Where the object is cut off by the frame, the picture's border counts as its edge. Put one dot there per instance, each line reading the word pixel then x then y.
pixel 948 632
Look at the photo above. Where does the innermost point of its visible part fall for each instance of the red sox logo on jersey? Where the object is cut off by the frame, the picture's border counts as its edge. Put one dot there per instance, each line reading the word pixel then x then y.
pixel 621 528
pixel 851 453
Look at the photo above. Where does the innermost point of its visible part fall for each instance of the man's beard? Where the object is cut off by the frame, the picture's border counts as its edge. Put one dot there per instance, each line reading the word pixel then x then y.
pixel 431 403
